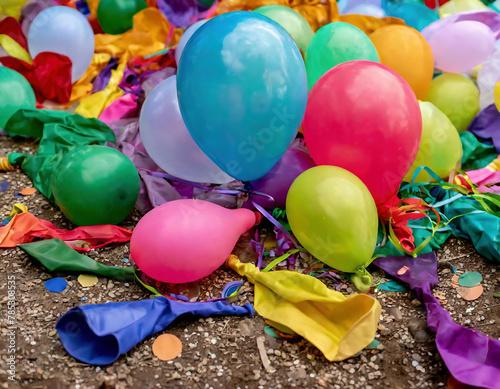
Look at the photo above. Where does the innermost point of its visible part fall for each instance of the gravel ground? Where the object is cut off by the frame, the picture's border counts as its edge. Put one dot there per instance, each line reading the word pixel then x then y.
pixel 222 352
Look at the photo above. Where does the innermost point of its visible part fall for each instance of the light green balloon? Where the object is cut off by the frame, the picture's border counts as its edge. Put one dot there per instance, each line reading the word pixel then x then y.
pixel 440 146
pixel 457 97
pixel 336 43
pixel 333 215
pixel 15 93
pixel 298 28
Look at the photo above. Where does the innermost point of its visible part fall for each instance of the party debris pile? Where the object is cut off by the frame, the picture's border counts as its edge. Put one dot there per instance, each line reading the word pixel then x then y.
pixel 344 138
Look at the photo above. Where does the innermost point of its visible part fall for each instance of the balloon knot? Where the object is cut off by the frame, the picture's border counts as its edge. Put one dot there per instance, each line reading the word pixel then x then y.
pixel 6 166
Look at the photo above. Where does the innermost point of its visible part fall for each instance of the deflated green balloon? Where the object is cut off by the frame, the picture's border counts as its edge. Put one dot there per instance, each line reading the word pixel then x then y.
pixel 336 43
pixel 298 28
pixel 95 185
pixel 333 215
pixel 116 16
pixel 15 93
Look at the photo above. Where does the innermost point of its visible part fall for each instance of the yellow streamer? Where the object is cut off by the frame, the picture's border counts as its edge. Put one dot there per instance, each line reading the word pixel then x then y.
pixel 148 36
pixel 93 105
pixel 83 87
pixel 14 49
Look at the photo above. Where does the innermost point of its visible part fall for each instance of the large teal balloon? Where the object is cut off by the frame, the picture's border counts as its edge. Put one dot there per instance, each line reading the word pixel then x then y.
pixel 336 43
pixel 95 185
pixel 15 93
pixel 242 91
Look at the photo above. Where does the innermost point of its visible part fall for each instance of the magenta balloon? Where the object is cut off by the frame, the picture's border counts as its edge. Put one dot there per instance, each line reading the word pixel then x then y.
pixel 185 240
pixel 461 46
pixel 277 182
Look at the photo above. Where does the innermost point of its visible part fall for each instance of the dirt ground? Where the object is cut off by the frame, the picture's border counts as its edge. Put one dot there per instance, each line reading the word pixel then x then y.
pixel 222 352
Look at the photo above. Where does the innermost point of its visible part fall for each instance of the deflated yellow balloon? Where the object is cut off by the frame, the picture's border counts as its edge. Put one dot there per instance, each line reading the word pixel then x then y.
pixel 457 97
pixel 440 146
pixel 333 215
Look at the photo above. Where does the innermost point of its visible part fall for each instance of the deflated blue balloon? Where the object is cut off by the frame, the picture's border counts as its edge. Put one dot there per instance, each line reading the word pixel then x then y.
pixel 99 334
pixel 242 90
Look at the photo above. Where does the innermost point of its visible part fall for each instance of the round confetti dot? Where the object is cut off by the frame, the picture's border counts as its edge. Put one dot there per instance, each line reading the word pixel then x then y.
pixel 56 285
pixel 167 347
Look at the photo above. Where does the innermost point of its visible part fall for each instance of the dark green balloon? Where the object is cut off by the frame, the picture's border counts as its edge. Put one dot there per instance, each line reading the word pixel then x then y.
pixel 116 16
pixel 95 185
pixel 208 3
pixel 15 93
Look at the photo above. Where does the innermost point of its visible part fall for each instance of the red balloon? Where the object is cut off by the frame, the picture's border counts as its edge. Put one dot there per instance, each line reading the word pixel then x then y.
pixel 365 118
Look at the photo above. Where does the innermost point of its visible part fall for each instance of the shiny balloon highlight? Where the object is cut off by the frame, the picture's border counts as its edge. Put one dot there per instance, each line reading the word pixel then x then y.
pixel 245 114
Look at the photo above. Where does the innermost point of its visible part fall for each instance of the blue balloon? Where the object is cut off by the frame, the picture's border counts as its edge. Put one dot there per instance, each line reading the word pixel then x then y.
pixel 242 89
pixel 414 13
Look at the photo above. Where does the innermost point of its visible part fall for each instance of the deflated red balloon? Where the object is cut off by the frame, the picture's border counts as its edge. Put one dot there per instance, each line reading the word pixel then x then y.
pixel 49 75
pixel 10 27
pixel 364 117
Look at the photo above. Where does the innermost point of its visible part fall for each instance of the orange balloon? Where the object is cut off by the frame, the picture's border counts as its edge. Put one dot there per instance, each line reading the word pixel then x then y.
pixel 405 50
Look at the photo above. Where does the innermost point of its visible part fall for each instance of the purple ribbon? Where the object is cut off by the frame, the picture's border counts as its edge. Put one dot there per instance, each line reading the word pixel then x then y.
pixel 472 358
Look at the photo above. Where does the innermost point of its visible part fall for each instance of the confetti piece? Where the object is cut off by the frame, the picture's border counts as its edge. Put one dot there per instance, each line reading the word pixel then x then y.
pixel 56 285
pixel 454 281
pixel 125 260
pixel 392 286
pixel 373 344
pixel 167 347
pixel 3 186
pixel 87 280
pixel 269 331
pixel 470 279
pixel 403 270
pixel 470 294
pixel 27 191
pixel 84 298
pixel 496 294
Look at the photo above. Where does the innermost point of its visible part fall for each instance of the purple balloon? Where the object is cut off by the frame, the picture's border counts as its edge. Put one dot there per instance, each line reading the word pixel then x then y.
pixel 277 182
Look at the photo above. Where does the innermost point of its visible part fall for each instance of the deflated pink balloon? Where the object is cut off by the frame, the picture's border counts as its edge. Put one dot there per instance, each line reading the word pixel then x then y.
pixel 185 240
pixel 461 46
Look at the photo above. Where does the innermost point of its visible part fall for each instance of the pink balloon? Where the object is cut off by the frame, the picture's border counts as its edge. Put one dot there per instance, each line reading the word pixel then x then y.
pixel 185 240
pixel 461 46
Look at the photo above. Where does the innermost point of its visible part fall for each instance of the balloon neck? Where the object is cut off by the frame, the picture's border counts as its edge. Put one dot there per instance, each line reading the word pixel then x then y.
pixel 362 279
pixel 246 218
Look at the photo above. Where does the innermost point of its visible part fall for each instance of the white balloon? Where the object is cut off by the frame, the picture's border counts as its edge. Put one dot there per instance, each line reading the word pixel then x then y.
pixel 487 77
pixel 168 141
pixel 65 31
pixel 185 38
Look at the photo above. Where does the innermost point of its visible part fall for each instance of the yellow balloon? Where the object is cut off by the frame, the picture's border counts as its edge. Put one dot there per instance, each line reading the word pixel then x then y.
pixel 440 146
pixel 457 97
pixel 333 215
pixel 496 93
pixel 405 50
pixel 454 6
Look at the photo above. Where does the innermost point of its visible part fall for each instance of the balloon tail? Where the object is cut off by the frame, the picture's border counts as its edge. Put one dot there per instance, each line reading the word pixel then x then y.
pixel 6 166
